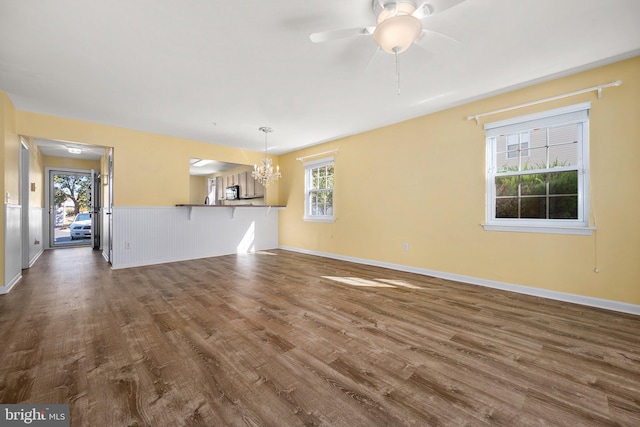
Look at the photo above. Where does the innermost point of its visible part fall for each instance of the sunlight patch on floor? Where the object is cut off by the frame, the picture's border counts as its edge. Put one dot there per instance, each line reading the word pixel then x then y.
pixel 377 283
pixel 400 283
pixel 356 281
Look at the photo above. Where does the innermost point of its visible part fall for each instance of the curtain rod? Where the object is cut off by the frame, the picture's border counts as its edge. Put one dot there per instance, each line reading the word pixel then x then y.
pixel 553 98
pixel 334 151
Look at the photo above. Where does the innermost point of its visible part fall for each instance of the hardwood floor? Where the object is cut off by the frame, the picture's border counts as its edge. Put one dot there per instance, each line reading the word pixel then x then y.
pixel 279 338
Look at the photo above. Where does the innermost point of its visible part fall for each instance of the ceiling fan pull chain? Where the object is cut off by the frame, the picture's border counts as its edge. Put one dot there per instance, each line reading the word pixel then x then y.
pixel 396 51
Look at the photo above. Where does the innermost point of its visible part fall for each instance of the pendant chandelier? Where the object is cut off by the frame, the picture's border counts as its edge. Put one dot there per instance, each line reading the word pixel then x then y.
pixel 264 173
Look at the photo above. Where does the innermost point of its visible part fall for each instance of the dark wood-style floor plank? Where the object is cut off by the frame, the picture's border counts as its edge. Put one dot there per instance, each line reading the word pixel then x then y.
pixel 280 338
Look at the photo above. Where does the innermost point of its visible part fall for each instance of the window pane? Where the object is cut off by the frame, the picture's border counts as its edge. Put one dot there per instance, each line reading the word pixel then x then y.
pixel 507 207
pixel 563 134
pixel 535 184
pixel 563 207
pixel 512 151
pixel 563 183
pixel 537 159
pixel 501 151
pixel 507 186
pixel 563 155
pixel 533 207
pixel 327 197
pixel 538 138
pixel 323 177
pixel 501 143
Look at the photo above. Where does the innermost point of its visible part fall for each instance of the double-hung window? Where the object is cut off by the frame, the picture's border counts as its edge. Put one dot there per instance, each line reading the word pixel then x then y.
pixel 537 172
pixel 318 188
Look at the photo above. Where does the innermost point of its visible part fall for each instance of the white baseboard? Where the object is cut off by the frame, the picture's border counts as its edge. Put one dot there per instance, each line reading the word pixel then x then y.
pixel 6 288
pixel 35 257
pixel 527 290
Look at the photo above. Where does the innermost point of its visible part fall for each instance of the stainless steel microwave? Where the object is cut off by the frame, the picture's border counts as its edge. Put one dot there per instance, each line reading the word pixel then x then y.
pixel 232 192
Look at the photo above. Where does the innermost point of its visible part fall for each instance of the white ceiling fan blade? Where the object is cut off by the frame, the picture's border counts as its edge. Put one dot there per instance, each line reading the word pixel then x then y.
pixel 435 41
pixel 341 34
pixel 370 61
pixel 431 7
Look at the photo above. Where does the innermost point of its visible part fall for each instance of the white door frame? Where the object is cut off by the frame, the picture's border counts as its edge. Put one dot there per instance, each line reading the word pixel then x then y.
pixel 24 201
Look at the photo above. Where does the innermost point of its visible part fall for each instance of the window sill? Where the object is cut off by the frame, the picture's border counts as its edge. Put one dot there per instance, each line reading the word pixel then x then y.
pixel 319 219
pixel 579 231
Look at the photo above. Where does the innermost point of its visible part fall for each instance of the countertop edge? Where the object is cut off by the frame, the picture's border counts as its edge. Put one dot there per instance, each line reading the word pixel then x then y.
pixel 229 206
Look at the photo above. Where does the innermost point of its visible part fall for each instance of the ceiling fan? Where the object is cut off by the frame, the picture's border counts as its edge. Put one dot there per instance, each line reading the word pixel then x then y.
pixel 399 25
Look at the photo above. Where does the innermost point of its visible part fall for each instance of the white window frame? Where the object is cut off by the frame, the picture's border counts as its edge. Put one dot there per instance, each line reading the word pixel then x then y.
pixel 578 113
pixel 308 166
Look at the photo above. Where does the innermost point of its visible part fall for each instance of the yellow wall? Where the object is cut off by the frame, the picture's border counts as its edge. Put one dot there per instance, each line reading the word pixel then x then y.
pixel 197 189
pixel 149 169
pixel 422 182
pixel 11 153
pixel 36 175
pixel 69 163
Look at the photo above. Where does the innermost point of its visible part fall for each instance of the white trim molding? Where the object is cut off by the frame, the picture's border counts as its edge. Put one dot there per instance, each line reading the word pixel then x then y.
pixel 579 231
pixel 12 247
pixel 526 290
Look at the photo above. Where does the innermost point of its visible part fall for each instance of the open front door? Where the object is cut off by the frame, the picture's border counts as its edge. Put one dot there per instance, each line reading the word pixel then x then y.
pixel 108 210
pixel 94 208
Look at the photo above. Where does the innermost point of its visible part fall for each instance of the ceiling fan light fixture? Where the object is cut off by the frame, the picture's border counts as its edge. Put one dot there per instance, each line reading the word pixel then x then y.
pixel 396 33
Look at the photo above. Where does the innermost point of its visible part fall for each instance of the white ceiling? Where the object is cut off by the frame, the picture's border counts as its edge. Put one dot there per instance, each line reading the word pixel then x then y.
pixel 213 166
pixel 61 149
pixel 216 71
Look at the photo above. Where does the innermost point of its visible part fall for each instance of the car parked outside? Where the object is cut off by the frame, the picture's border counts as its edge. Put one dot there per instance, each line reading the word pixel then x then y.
pixel 81 226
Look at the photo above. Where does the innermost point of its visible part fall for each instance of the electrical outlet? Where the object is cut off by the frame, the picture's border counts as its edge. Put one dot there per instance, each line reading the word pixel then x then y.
pixel 127 245
pixel 405 246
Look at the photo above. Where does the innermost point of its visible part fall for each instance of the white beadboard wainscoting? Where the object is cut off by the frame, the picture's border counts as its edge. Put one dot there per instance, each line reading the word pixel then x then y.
pixel 154 235
pixel 12 247
pixel 36 227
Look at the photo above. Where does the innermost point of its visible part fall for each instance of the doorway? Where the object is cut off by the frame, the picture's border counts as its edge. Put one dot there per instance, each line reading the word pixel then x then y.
pixel 73 204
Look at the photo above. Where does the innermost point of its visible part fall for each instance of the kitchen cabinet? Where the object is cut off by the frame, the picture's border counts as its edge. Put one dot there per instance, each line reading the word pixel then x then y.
pixel 258 189
pixel 220 188
pixel 242 182
pixel 249 187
